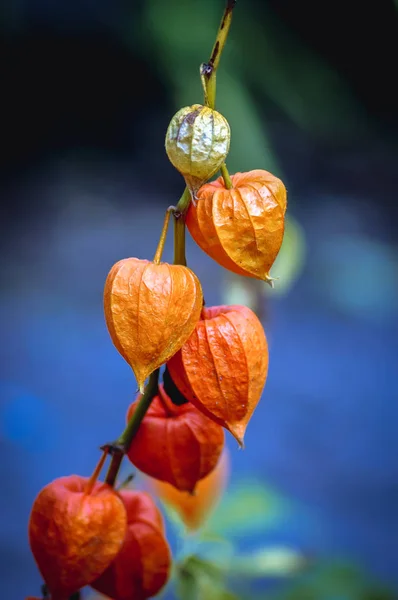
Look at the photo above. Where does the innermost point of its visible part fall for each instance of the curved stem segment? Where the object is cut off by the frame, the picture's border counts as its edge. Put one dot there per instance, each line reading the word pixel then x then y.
pixel 159 251
pixel 227 179
pixel 144 403
pixel 208 71
pixel 179 240
pixel 121 446
pixel 179 228
pixel 183 203
pixel 114 467
pixel 91 482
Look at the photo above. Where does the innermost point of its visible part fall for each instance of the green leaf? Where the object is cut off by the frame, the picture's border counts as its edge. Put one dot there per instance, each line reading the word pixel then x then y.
pixel 247 509
pixel 198 579
pixel 269 562
pixel 219 551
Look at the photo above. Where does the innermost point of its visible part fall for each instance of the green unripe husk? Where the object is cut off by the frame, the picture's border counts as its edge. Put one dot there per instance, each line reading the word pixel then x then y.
pixel 197 143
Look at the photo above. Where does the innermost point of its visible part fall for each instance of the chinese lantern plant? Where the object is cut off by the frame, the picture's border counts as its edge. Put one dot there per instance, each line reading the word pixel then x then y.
pixel 175 443
pixel 241 227
pixel 76 528
pixel 151 309
pixel 142 566
pixel 223 366
pixel 85 532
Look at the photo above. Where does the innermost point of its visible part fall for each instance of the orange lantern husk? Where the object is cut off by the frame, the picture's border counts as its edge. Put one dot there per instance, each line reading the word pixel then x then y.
pixel 75 535
pixel 223 366
pixel 241 228
pixel 150 310
pixel 177 444
pixel 195 509
pixel 142 567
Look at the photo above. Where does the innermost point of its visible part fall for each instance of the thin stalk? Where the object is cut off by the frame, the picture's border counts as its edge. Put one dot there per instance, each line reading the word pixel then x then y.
pixel 183 203
pixel 179 241
pixel 121 446
pixel 113 471
pixel 124 441
pixel 226 176
pixel 159 251
pixel 179 228
pixel 91 482
pixel 208 70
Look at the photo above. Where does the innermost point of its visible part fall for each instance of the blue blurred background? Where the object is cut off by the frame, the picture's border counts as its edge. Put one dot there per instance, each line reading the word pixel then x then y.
pixel 88 90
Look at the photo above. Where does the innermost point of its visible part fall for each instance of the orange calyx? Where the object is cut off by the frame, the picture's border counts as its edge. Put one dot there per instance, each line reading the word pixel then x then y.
pixel 241 228
pixel 177 444
pixel 96 473
pixel 142 567
pixel 223 366
pixel 74 536
pixel 150 311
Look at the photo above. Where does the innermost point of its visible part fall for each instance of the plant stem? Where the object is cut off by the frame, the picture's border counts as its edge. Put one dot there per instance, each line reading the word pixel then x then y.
pixel 208 70
pixel 183 203
pixel 113 471
pixel 121 446
pixel 227 179
pixel 95 475
pixel 179 227
pixel 179 241
pixel 159 251
pixel 144 403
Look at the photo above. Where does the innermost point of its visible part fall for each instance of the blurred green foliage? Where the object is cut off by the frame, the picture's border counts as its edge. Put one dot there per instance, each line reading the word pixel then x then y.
pixel 209 564
pixel 263 507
